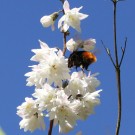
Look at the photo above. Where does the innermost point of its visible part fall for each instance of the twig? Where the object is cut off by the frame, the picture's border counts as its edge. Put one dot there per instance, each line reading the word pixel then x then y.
pixel 115 33
pixel 123 52
pixel 109 54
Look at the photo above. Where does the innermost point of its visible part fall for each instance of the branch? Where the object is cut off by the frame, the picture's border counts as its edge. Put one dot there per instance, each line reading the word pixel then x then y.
pixel 123 52
pixel 118 75
pixel 117 65
pixel 109 54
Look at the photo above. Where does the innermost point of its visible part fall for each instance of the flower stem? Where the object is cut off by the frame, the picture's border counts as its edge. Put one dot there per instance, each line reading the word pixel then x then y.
pixel 64 43
pixel 51 127
pixel 64 35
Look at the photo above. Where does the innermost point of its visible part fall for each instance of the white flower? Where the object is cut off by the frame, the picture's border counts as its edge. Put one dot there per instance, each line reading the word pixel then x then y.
pixel 27 108
pixel 63 112
pixel 32 123
pixel 86 45
pixel 32 118
pixel 92 82
pixel 72 45
pixel 49 20
pixel 45 97
pixel 80 83
pixel 57 69
pixel 41 54
pixel 54 69
pixel 71 18
pixel 85 106
pixel 76 84
pixel 35 76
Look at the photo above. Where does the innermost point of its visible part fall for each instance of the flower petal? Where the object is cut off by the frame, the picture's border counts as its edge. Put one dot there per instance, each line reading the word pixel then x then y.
pixel 66 6
pixel 82 16
pixel 52 27
pixel 76 24
pixel 43 44
pixel 77 9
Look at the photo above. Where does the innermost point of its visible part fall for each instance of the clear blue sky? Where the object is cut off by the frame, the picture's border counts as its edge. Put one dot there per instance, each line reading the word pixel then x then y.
pixel 20 30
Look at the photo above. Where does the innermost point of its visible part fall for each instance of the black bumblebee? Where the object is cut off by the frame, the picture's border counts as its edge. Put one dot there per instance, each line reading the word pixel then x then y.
pixel 81 59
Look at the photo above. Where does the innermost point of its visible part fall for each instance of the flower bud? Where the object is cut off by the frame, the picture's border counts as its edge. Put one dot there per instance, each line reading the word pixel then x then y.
pixel 49 20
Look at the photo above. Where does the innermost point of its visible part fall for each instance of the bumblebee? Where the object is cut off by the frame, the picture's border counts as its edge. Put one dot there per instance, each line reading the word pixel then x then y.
pixel 81 59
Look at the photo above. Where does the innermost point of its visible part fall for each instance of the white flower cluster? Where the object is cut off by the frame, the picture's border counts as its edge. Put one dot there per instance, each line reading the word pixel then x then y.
pixel 70 18
pixel 59 95
pixel 52 67
pixel 64 105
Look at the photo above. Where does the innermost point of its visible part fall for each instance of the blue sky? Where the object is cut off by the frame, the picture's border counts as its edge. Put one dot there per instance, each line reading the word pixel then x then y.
pixel 20 31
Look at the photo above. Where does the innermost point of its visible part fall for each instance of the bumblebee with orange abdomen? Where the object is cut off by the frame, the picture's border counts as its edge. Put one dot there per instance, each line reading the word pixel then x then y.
pixel 81 59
